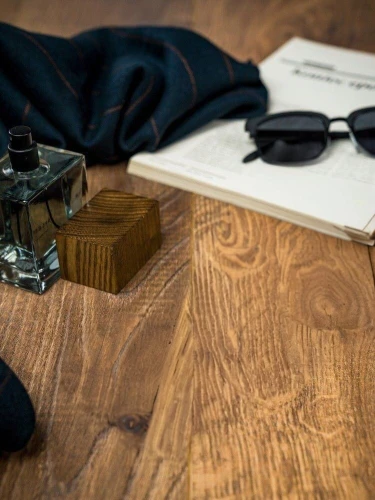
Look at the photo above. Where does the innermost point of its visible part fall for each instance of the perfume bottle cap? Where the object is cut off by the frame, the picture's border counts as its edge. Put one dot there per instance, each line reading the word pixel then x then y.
pixel 23 151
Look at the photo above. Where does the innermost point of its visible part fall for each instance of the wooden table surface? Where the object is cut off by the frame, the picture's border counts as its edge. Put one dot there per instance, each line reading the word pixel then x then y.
pixel 240 362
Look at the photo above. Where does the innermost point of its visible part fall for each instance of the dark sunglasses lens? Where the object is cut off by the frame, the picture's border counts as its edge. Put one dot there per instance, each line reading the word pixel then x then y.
pixel 364 130
pixel 291 139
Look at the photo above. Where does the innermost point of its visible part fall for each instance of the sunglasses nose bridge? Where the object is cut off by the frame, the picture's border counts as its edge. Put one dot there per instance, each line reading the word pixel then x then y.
pixel 340 130
pixel 338 119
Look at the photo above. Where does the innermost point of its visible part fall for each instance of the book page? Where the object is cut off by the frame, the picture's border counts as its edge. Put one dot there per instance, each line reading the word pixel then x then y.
pixel 340 191
pixel 317 77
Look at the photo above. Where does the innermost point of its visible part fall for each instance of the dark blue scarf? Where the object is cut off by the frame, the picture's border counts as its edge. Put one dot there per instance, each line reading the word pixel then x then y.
pixel 17 417
pixel 112 92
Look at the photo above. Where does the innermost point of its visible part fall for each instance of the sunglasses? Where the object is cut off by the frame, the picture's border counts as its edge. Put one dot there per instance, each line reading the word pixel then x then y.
pixel 301 136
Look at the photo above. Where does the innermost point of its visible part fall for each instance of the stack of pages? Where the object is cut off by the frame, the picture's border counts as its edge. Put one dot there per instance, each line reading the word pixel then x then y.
pixel 335 195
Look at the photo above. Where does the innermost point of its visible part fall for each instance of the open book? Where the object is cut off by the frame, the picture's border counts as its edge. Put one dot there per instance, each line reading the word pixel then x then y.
pixel 335 195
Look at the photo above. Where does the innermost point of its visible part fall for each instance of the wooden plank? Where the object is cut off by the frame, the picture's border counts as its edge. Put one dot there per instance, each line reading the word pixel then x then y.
pixel 284 374
pixel 283 318
pixel 282 324
pixel 69 17
pixel 252 30
pixel 162 470
pixel 93 362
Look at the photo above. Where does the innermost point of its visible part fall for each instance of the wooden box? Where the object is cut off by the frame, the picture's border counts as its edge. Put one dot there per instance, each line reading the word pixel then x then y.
pixel 108 241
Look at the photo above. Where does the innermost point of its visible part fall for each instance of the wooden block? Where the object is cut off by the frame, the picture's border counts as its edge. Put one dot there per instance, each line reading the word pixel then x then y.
pixel 108 241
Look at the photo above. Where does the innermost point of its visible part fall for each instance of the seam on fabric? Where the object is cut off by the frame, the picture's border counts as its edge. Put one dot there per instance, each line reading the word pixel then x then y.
pixel 171 47
pixel 49 57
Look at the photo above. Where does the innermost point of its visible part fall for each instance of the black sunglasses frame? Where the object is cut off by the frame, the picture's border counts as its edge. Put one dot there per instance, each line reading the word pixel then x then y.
pixel 253 123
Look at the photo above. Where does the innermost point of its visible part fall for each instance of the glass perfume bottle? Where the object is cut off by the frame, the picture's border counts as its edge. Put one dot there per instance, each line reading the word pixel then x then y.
pixel 40 189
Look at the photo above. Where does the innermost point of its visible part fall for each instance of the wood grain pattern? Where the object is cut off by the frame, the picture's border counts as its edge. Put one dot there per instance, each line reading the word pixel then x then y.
pixel 284 384
pixel 239 364
pixel 278 407
pixel 252 30
pixel 162 469
pixel 109 240
pixel 93 362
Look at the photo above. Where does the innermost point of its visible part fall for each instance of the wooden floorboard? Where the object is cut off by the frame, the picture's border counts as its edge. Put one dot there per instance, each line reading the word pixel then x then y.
pixel 239 363
pixel 280 375
pixel 94 362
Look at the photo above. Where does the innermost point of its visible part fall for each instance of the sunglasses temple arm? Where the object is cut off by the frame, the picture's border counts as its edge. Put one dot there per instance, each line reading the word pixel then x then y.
pixel 251 157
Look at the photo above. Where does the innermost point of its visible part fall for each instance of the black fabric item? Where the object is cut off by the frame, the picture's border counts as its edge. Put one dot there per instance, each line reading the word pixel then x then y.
pixel 112 92
pixel 17 417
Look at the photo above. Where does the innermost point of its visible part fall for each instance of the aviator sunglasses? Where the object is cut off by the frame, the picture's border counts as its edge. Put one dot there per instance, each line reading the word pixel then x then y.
pixel 297 137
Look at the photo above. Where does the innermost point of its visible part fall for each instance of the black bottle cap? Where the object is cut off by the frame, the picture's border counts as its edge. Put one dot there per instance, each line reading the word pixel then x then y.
pixel 23 151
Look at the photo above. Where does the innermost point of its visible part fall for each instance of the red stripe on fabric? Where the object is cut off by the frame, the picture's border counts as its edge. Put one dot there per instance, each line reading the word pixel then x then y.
pixel 26 112
pixel 142 97
pixel 229 68
pixel 170 47
pixel 48 56
pixel 155 129
pixel 135 104
pixel 113 109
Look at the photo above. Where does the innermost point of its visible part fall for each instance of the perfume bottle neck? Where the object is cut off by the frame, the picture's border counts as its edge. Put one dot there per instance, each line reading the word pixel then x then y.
pixel 23 151
pixel 41 170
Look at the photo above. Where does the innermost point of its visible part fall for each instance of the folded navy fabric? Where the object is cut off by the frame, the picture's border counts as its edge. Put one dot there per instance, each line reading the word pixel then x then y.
pixel 110 93
pixel 17 417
